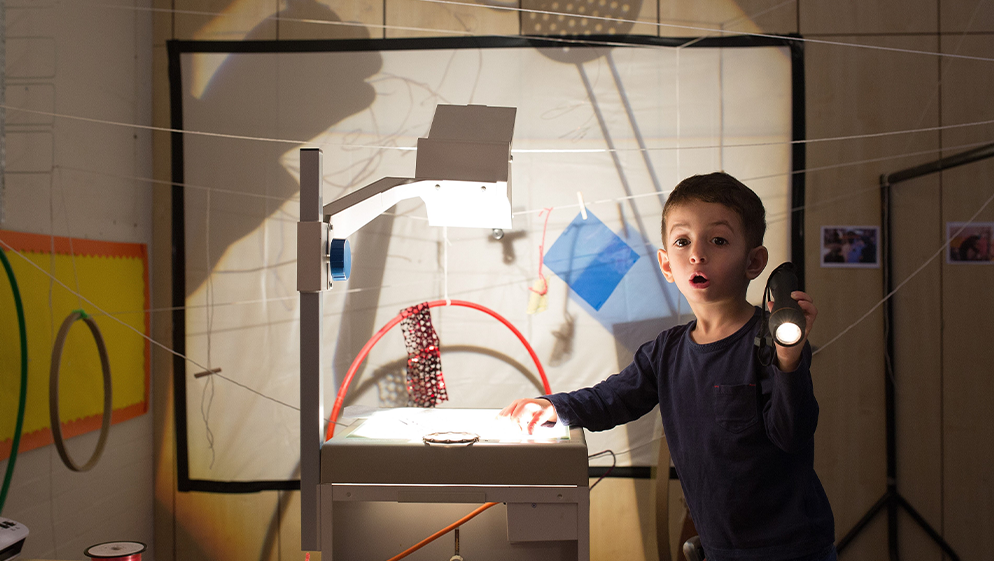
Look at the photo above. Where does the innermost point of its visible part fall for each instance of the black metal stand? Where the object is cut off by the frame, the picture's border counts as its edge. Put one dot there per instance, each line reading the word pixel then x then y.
pixel 892 499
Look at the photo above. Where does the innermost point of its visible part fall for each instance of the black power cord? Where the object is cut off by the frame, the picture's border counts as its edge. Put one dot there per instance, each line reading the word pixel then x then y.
pixel 614 463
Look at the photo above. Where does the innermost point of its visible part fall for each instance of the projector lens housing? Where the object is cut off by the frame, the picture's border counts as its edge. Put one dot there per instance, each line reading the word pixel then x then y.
pixel 789 334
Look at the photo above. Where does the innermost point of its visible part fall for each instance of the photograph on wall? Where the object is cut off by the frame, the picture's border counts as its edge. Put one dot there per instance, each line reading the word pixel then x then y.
pixel 850 246
pixel 970 242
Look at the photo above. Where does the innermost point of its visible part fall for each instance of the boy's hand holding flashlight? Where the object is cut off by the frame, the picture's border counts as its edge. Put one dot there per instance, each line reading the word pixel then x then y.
pixel 789 357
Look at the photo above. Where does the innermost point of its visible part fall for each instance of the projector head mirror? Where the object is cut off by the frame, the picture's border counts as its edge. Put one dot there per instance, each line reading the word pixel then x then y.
pixel 462 173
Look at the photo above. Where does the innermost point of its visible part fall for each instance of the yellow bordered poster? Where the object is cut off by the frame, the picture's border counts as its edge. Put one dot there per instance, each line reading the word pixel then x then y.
pixel 112 275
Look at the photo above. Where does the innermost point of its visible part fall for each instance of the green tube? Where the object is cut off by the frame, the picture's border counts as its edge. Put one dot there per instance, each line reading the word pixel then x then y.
pixel 22 403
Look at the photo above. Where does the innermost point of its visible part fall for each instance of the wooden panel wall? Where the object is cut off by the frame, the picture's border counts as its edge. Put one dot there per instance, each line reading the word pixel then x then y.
pixel 941 361
pixel 849 373
pixel 967 306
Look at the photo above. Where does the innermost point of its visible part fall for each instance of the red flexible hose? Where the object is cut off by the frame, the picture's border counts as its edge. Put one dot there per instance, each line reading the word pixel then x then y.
pixel 340 398
pixel 442 532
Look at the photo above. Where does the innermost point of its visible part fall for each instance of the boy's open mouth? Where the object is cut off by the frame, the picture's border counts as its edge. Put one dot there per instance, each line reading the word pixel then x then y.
pixel 699 280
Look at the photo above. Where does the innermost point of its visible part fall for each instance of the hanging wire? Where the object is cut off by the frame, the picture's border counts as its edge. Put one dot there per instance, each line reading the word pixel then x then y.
pixel 719 31
pixel 774 218
pixel 712 31
pixel 445 264
pixel 820 349
pixel 132 328
pixel 909 277
pixel 72 253
pixel 844 197
pixel 173 352
pixel 174 184
pixel 207 401
pixel 515 151
pixel 53 280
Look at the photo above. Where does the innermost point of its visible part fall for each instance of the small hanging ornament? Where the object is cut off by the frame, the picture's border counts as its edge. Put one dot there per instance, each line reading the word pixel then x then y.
pixel 537 300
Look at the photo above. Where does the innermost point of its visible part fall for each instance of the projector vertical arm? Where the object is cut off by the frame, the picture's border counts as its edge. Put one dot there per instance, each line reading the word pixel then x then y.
pixel 312 280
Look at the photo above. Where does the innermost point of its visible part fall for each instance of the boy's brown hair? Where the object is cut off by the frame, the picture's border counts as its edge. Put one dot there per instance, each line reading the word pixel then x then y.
pixel 721 188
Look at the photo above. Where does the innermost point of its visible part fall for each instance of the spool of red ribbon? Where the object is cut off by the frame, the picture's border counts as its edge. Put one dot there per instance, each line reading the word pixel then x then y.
pixel 116 551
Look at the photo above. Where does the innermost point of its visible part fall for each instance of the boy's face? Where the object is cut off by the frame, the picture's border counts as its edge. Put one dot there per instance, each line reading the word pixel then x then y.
pixel 706 254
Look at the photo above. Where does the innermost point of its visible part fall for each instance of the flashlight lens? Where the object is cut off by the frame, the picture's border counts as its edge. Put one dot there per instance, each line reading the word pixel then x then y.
pixel 789 333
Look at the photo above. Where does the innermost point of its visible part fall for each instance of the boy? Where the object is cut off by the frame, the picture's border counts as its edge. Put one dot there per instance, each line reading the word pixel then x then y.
pixel 740 433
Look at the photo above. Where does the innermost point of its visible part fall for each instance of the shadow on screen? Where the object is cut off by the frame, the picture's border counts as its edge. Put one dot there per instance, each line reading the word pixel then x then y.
pixel 296 97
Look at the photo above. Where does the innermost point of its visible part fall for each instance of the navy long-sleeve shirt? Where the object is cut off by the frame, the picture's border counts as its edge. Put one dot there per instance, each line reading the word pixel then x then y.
pixel 741 436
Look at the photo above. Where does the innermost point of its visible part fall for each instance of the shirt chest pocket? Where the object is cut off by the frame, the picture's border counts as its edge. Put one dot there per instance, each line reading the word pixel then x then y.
pixel 735 408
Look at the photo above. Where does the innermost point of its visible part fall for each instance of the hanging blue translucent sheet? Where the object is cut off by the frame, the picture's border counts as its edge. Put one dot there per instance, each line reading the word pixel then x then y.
pixel 591 259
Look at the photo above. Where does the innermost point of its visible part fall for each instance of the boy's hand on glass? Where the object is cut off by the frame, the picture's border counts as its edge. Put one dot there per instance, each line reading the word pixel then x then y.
pixel 529 413
pixel 790 357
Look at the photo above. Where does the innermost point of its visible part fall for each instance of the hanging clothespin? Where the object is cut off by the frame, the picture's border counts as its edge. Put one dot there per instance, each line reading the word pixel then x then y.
pixel 583 206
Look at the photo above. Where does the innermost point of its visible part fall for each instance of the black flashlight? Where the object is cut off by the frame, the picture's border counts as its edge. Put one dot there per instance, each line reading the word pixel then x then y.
pixel 787 319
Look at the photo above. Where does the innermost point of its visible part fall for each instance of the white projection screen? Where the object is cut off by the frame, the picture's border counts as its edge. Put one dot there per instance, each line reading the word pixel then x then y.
pixel 620 124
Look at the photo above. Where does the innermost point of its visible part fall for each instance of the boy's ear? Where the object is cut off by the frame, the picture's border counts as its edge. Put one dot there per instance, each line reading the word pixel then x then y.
pixel 758 258
pixel 664 264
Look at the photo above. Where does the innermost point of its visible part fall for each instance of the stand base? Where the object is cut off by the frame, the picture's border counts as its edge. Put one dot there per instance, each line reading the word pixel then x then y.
pixel 892 499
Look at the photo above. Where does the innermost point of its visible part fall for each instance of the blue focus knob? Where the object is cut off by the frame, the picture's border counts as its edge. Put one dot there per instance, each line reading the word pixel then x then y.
pixel 340 257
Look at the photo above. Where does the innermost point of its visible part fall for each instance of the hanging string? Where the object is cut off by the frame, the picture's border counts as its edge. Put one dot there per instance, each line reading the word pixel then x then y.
pixel 445 265
pixel 286 298
pixel 175 353
pixel 753 16
pixel 679 128
pixel 515 282
pixel 775 217
pixel 295 197
pixel 515 151
pixel 711 31
pixel 911 276
pixel 678 148
pixel 72 252
pixel 215 372
pixel 132 328
pixel 772 218
pixel 205 408
pixel 569 41
pixel 596 202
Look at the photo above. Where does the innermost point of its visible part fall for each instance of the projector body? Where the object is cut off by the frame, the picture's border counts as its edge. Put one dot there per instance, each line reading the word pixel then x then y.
pixel 384 489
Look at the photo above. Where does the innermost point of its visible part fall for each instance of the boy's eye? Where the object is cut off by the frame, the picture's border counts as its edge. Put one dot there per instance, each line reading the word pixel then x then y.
pixel 681 242
pixel 719 241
